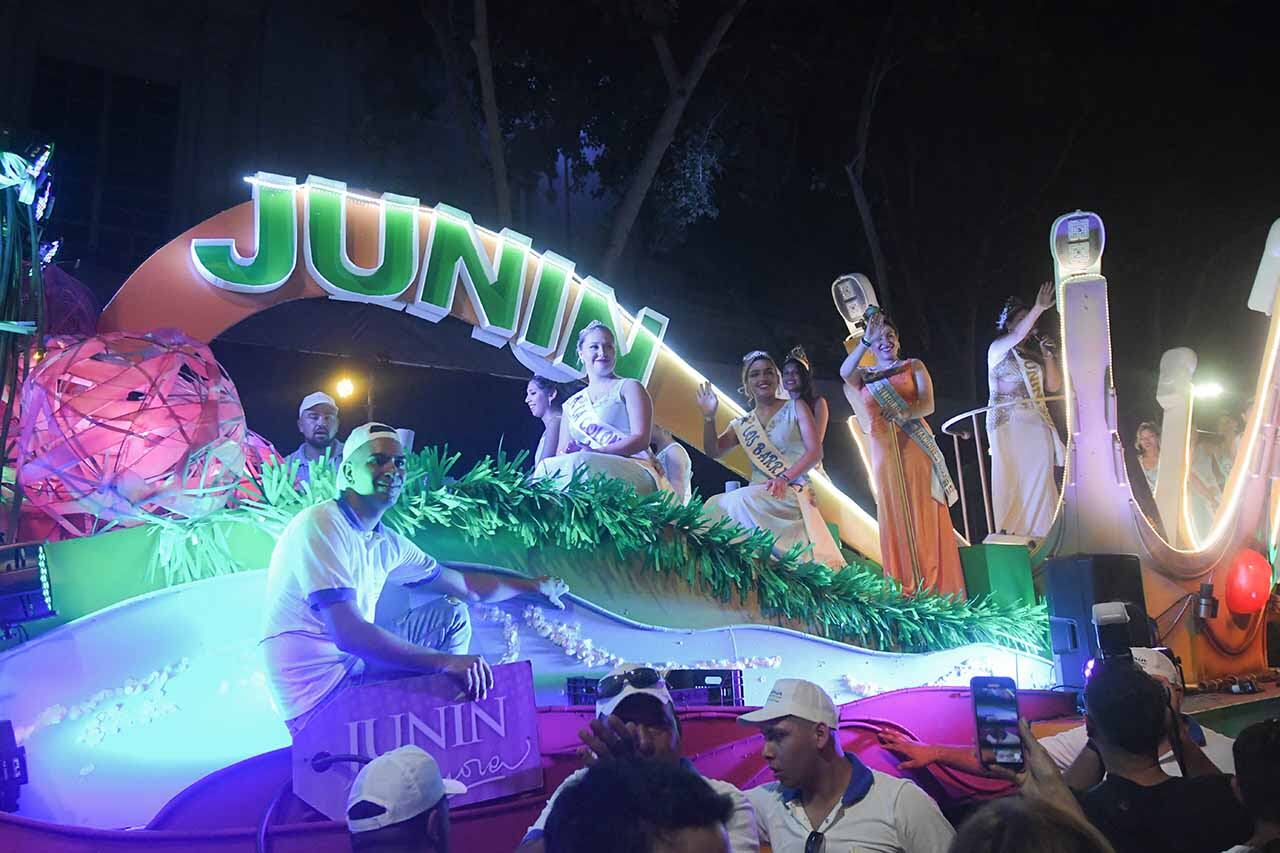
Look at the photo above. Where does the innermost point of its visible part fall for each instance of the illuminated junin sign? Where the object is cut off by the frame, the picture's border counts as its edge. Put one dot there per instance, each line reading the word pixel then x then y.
pixel 423 255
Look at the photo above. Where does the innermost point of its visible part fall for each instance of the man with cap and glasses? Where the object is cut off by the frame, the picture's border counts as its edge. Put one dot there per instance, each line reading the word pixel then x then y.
pixel 318 423
pixel 398 804
pixel 825 799
pixel 636 719
pixel 327 571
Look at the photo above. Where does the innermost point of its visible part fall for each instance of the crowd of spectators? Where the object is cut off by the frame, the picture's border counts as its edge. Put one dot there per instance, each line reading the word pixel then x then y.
pixel 1138 776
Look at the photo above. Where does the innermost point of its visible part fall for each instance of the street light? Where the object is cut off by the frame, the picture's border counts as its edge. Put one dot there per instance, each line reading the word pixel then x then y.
pixel 1206 390
pixel 345 388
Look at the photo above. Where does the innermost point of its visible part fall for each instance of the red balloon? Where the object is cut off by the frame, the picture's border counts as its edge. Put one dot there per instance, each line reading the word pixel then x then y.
pixel 1248 583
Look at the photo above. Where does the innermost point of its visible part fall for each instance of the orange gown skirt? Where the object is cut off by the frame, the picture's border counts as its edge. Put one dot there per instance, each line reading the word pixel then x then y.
pixel 905 507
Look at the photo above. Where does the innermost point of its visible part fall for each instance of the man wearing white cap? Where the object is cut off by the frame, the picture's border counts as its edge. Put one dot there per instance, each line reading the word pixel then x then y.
pixel 636 718
pixel 1076 757
pixel 826 799
pixel 318 423
pixel 327 572
pixel 397 804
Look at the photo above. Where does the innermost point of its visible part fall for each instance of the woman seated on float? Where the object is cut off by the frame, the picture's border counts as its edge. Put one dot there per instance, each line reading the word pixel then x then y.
pixel 674 461
pixel 797 381
pixel 545 399
pixel 780 438
pixel 607 425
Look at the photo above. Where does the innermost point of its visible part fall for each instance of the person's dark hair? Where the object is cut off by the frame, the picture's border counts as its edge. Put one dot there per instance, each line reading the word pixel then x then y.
pixel 1016 824
pixel 800 360
pixel 630 806
pixel 1126 707
pixel 1257 754
pixel 419 834
pixel 550 387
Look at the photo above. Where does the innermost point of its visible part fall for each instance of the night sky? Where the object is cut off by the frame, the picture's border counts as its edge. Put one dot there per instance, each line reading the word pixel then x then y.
pixel 990 120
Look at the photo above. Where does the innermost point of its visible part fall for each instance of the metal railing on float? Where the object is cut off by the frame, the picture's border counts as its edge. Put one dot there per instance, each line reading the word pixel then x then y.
pixel 976 433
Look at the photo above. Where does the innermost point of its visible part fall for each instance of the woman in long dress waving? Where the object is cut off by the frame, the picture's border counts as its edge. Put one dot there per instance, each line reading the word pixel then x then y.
pixel 606 426
pixel 1022 369
pixel 913 487
pixel 781 440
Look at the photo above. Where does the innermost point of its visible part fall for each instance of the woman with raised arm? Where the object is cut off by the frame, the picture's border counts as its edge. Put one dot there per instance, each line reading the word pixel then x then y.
pixel 545 399
pixel 781 440
pixel 1022 369
pixel 912 484
pixel 607 425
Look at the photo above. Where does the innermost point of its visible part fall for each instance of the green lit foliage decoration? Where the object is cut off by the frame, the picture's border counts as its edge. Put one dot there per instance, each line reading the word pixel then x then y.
pixel 600 516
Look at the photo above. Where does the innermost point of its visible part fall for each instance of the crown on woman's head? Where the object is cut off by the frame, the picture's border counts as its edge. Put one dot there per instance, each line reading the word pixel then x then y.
pixel 1010 304
pixel 798 354
pixel 753 355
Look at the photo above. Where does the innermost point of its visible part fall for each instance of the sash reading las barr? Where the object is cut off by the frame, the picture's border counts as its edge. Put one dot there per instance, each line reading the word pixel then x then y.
pixel 769 460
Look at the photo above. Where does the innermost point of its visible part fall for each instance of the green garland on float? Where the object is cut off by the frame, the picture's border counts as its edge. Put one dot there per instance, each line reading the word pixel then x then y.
pixel 599 515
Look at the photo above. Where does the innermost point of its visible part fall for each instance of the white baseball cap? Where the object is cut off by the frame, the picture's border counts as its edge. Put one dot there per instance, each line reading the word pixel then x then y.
pixel 316 398
pixel 794 697
pixel 405 782
pixel 365 433
pixel 1156 664
pixel 658 690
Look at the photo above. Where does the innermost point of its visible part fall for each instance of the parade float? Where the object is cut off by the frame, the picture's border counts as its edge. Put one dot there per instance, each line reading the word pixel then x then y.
pixel 137 692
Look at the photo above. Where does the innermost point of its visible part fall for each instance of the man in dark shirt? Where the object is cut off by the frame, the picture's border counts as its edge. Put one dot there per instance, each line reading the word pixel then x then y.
pixel 1139 807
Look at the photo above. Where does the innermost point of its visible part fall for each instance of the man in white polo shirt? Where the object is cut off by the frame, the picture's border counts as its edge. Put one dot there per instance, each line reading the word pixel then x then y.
pixel 825 799
pixel 636 716
pixel 327 572
pixel 318 424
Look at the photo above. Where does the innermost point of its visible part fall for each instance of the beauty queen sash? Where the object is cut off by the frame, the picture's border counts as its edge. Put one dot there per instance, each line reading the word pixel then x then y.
pixel 582 416
pixel 1033 380
pixel 586 423
pixel 891 402
pixel 771 461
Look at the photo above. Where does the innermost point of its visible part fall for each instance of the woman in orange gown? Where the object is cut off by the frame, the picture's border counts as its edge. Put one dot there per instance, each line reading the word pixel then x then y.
pixel 913 488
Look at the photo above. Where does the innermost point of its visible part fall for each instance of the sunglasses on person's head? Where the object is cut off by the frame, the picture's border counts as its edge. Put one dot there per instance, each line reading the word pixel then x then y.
pixel 639 678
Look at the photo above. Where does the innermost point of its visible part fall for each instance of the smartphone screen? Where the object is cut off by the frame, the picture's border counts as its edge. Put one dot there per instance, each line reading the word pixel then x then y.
pixel 995 711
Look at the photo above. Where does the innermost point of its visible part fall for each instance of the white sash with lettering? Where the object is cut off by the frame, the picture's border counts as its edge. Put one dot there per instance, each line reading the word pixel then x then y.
pixel 582 416
pixel 1033 381
pixel 771 461
pixel 587 425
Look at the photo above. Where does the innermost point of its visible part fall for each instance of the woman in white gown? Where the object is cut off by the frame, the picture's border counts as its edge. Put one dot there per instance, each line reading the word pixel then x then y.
pixel 606 426
pixel 545 400
pixel 1147 443
pixel 674 461
pixel 1025 446
pixel 781 441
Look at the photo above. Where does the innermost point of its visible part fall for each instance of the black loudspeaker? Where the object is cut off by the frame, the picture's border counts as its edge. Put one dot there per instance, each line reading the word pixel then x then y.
pixel 1073 584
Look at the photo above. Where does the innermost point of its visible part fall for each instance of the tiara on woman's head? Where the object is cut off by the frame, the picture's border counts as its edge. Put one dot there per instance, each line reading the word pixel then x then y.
pixel 798 354
pixel 1009 305
pixel 753 355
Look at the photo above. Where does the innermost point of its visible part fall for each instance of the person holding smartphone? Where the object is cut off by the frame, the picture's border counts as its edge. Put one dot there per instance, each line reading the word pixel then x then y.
pixel 1203 750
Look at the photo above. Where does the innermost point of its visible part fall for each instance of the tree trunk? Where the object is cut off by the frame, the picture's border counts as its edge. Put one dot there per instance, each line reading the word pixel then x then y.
pixel 873 238
pixel 629 210
pixel 432 12
pixel 497 158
